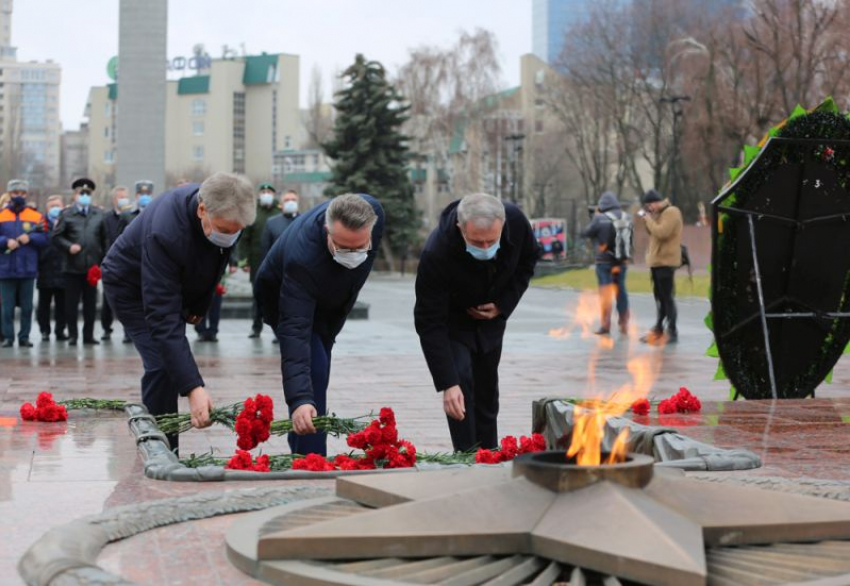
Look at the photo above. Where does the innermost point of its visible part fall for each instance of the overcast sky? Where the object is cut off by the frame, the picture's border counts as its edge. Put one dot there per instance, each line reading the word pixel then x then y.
pixel 82 35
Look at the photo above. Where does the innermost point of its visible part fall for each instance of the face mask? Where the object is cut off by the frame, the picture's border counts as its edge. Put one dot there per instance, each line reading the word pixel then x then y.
pixel 53 213
pixel 266 199
pixel 123 203
pixel 482 253
pixel 290 207
pixel 19 201
pixel 84 200
pixel 351 259
pixel 144 200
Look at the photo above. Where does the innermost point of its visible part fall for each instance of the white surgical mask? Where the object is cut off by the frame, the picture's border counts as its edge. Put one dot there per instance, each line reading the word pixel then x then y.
pixel 266 199
pixel 123 203
pixel 351 259
pixel 290 207
pixel 223 240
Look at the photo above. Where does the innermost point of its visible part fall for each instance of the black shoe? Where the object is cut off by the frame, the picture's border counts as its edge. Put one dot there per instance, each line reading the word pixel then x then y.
pixel 7 344
pixel 24 343
pixel 602 332
pixel 106 337
pixel 46 337
pixel 126 340
pixel 274 341
pixel 62 338
pixel 254 334
pixel 672 337
pixel 91 342
pixel 72 341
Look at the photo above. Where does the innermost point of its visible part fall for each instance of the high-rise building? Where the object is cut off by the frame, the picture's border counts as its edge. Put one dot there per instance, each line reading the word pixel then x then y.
pixel 550 21
pixel 75 155
pixel 233 116
pixel 30 128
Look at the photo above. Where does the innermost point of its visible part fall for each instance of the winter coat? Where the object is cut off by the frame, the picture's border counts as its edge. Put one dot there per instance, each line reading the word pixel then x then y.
pixel 665 237
pixel 50 264
pixel 21 263
pixel 88 230
pixel 601 229
pixel 250 245
pixel 303 291
pixel 164 263
pixel 275 226
pixel 449 281
pixel 115 223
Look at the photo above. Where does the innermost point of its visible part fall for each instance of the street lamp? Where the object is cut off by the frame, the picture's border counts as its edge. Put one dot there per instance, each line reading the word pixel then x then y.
pixel 515 140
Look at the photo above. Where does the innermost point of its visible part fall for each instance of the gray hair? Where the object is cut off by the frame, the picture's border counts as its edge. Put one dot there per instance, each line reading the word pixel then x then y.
pixel 230 197
pixel 118 188
pixel 58 198
pixel 481 209
pixel 352 211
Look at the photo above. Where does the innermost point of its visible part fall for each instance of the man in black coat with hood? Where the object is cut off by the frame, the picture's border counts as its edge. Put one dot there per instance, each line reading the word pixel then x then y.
pixel 162 273
pixel 474 269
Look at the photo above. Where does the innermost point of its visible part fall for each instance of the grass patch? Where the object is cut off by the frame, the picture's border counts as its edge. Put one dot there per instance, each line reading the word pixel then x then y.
pixel 637 281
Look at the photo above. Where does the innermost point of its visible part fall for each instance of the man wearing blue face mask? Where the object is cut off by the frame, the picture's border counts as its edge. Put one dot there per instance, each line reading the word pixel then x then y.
pixel 80 233
pixel 51 282
pixel 162 273
pixel 250 246
pixel 307 284
pixel 474 269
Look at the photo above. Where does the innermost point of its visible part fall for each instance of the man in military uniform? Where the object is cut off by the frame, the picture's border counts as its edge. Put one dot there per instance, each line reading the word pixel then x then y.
pixel 250 246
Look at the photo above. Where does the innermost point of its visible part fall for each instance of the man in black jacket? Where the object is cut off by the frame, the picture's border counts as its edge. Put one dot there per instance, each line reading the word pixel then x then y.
pixel 612 257
pixel 115 221
pixel 306 286
pixel 50 282
pixel 81 235
pixel 162 273
pixel 277 225
pixel 474 269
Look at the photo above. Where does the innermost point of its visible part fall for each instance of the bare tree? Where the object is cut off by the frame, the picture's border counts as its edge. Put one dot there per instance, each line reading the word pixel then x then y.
pixel 318 119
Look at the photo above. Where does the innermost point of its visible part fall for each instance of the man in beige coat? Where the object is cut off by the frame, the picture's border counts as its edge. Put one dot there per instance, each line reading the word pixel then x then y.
pixel 663 256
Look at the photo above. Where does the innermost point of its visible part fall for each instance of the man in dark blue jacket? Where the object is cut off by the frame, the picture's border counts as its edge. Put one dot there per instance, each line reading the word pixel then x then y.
pixel 161 274
pixel 611 232
pixel 474 269
pixel 306 286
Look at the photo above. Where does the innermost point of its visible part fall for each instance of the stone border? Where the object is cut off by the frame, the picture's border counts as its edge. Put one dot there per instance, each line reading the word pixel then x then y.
pixel 67 555
pixel 160 463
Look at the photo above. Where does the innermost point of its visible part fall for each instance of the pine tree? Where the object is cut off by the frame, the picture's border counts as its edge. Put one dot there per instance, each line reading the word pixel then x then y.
pixel 370 152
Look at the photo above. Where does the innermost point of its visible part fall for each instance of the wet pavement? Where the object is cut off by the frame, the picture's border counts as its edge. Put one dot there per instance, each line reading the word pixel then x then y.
pixel 53 473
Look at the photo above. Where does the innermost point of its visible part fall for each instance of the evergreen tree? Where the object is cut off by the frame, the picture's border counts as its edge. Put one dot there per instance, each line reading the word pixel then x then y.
pixel 370 152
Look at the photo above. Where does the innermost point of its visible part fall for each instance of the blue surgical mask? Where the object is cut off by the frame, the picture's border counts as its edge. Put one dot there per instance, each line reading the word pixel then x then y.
pixel 84 200
pixel 266 199
pixel 482 253
pixel 54 212
pixel 223 240
pixel 144 200
pixel 290 207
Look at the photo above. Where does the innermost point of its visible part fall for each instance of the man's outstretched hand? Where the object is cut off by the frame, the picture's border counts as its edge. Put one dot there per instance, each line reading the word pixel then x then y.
pixel 302 419
pixel 200 405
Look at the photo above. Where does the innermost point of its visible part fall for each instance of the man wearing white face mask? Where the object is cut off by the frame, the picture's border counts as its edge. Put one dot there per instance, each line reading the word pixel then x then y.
pixel 162 273
pixel 307 284
pixel 474 269
pixel 115 221
pixel 250 246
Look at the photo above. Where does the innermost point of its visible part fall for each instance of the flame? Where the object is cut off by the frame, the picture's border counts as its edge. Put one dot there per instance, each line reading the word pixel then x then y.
pixel 590 416
pixel 586 316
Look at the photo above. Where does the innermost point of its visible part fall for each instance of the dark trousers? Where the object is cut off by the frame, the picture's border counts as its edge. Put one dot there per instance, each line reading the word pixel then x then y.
pixel 106 318
pixel 22 290
pixel 158 392
pixel 479 382
pixel 664 290
pixel 46 296
pixel 320 374
pixel 612 284
pixel 76 286
pixel 209 325
pixel 257 325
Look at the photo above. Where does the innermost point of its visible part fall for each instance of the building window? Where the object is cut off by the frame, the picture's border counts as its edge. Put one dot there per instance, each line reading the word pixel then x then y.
pixel 106 132
pixel 107 109
pixel 198 152
pixel 538 126
pixel 287 143
pixel 109 157
pixel 199 107
pixel 198 128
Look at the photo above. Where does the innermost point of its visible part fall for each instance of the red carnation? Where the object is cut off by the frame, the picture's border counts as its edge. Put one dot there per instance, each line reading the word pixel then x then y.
pixel 357 440
pixel 28 412
pixel 535 443
pixel 387 416
pixel 484 456
pixel 667 406
pixel 93 275
pixel 262 464
pixel 220 290
pixel 509 447
pixel 44 399
pixel 640 407
pixel 373 434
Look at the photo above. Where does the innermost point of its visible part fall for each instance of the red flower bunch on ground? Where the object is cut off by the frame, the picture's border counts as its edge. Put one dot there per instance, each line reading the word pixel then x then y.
pixel 640 407
pixel 681 402
pixel 220 290
pixel 45 409
pixel 242 460
pixel 510 449
pixel 93 276
pixel 253 424
pixel 379 441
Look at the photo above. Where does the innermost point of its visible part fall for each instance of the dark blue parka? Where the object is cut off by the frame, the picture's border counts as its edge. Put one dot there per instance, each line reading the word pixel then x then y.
pixel 164 263
pixel 303 290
